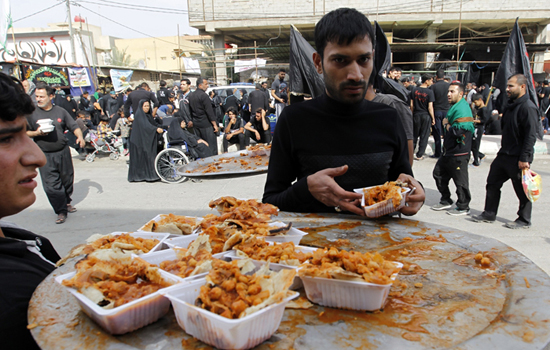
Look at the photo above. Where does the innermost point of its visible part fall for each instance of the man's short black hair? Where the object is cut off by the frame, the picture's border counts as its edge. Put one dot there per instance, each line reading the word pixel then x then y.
pixel 282 70
pixel 162 83
pixel 258 86
pixel 14 102
pixel 85 93
pixel 440 74
pixel 477 97
pixel 144 85
pixel 232 110
pixel 520 79
pixel 187 81
pixel 395 69
pixel 104 118
pixel 342 26
pixel 82 113
pixel 425 77
pixel 43 86
pixel 259 110
pixel 405 80
pixel 459 85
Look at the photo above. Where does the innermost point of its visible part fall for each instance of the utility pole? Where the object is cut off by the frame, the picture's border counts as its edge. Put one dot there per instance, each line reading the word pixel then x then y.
pixel 71 33
pixel 179 51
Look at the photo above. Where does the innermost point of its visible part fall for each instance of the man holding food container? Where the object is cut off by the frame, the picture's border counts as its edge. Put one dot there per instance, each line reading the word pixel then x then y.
pixel 47 125
pixel 326 147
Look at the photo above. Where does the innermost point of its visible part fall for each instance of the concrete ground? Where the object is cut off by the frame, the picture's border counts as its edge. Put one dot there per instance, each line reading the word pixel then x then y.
pixel 107 202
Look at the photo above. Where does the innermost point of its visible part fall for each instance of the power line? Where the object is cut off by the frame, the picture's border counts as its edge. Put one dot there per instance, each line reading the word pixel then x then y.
pixel 107 3
pixel 32 14
pixel 168 11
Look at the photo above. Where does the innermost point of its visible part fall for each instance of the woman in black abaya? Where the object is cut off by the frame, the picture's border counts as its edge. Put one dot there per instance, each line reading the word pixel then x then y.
pixel 178 135
pixel 143 145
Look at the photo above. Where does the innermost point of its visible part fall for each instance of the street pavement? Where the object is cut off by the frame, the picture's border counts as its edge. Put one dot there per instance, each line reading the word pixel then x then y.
pixel 107 202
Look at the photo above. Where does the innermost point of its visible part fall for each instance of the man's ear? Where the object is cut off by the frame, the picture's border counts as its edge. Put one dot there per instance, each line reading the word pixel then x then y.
pixel 318 62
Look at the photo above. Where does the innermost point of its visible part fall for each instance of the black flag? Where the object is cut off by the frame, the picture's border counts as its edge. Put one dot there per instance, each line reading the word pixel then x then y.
pixel 515 60
pixel 382 62
pixel 303 75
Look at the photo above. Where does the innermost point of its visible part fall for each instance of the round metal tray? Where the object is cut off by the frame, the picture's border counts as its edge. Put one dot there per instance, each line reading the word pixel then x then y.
pixel 227 164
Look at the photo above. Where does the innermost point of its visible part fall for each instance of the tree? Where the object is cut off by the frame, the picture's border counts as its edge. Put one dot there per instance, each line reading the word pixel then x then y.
pixel 120 58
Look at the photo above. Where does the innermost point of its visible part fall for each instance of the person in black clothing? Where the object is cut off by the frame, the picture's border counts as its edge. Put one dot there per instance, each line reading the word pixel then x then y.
pixel 519 125
pixel 202 115
pixel 217 101
pixel 441 106
pixel 70 105
pixel 184 111
pixel 233 129
pixel 231 101
pixel 258 99
pixel 178 135
pixel 422 100
pixel 25 258
pixel 163 95
pixel 545 104
pixel 258 128
pixel 84 103
pixel 141 93
pixel 143 144
pixel 245 106
pixel 481 116
pixel 324 148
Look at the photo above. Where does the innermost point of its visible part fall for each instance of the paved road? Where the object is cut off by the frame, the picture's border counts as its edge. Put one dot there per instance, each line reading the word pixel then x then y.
pixel 106 202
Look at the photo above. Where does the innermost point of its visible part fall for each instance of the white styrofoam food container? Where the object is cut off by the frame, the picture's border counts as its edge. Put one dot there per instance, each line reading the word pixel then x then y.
pixel 347 294
pixel 159 217
pixel 128 317
pixel 296 284
pixel 180 241
pixel 221 332
pixel 146 235
pixel 171 254
pixel 383 208
pixel 293 235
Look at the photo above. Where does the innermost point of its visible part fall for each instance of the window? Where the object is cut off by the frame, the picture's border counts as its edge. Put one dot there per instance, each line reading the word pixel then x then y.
pixel 154 76
pixel 163 58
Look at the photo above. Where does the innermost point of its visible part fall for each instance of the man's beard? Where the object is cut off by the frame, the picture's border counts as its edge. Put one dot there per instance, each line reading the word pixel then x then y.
pixel 513 95
pixel 337 92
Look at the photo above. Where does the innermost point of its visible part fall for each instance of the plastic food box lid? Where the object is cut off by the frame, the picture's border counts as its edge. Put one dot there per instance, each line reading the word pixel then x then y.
pixel 347 294
pixel 130 316
pixel 146 235
pixel 382 208
pixel 221 332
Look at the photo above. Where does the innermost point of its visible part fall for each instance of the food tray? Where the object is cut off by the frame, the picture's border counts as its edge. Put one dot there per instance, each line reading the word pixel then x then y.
pixel 180 241
pixel 158 218
pixel 296 284
pixel 221 332
pixel 382 208
pixel 147 235
pixel 293 235
pixel 347 294
pixel 128 317
pixel 228 168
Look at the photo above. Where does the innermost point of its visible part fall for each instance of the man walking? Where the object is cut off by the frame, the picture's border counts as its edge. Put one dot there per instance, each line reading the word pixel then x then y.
pixel 163 95
pixel 458 128
pixel 280 92
pixel 519 124
pixel 258 99
pixel 441 106
pixel 422 100
pixel 58 173
pixel 481 116
pixel 202 115
pixel 143 92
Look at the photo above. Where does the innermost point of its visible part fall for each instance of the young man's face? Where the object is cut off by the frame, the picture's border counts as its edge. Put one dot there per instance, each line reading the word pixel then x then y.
pixel 258 116
pixel 282 75
pixel 454 94
pixel 514 90
pixel 19 159
pixel 478 103
pixel 184 86
pixel 346 69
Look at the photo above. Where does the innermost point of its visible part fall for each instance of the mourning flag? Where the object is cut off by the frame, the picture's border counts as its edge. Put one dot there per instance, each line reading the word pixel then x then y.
pixel 303 75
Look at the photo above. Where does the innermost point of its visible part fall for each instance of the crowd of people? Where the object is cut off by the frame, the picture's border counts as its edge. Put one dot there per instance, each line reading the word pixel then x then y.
pixel 376 137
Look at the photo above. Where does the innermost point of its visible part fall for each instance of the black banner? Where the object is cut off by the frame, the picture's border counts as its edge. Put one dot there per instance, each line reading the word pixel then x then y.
pixel 303 75
pixel 50 75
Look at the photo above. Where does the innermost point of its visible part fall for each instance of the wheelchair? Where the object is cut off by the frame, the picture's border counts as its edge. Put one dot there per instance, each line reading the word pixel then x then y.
pixel 170 159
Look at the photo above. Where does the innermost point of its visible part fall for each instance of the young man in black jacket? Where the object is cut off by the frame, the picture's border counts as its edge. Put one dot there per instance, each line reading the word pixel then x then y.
pixel 519 125
pixel 25 258
pixel 202 115
pixel 481 114
pixel 324 148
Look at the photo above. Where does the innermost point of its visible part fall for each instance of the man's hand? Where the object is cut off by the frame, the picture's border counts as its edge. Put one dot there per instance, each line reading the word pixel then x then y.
pixel 445 121
pixel 257 135
pixel 228 136
pixel 202 141
pixel 323 187
pixel 36 133
pixel 523 165
pixel 159 130
pixel 414 201
pixel 190 124
pixel 81 142
pixel 433 121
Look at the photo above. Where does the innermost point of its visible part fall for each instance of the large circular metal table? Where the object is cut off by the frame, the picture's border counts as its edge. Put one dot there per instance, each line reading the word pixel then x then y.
pixel 442 300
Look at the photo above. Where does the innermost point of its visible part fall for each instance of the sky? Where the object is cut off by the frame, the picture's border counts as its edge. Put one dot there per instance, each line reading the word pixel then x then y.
pixel 144 20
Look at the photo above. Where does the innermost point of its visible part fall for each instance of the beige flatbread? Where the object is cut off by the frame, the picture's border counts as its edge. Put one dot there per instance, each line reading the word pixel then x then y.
pixel 168 228
pixel 277 283
pixel 300 303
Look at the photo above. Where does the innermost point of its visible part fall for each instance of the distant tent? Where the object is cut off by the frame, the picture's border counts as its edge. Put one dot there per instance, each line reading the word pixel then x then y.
pixel 303 75
pixel 382 62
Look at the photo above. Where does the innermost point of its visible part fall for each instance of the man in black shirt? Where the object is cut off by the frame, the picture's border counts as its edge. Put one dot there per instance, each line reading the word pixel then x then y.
pixel 233 130
pixel 163 95
pixel 441 106
pixel 324 148
pixel 258 99
pixel 202 115
pixel 519 125
pixel 481 116
pixel 25 258
pixel 58 174
pixel 143 92
pixel 422 100
pixel 258 128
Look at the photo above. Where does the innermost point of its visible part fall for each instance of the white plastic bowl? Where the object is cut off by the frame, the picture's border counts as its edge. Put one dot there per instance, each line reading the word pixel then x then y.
pixel 342 294
pixel 147 235
pixel 293 235
pixel 382 208
pixel 221 332
pixel 128 317
pixel 159 217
